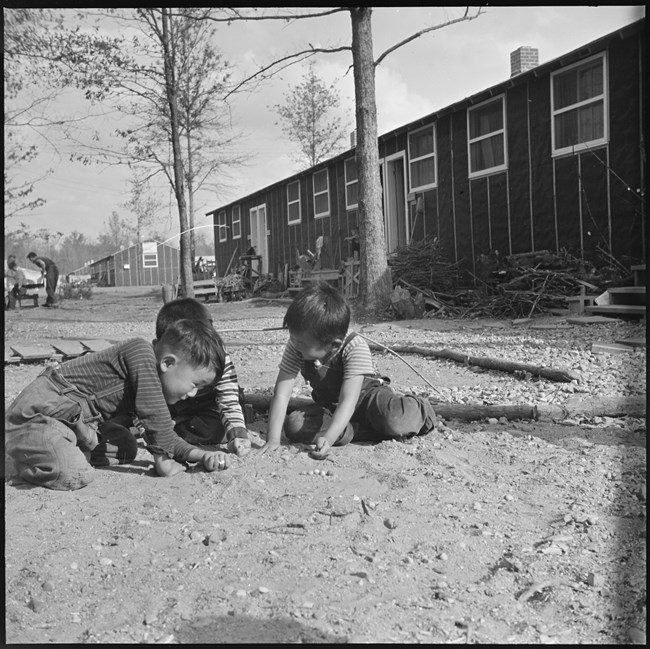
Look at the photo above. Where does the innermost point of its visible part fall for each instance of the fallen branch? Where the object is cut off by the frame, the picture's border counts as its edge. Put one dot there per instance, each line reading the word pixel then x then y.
pixel 562 376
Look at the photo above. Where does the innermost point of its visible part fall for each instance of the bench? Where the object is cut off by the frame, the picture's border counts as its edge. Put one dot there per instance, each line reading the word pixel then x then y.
pixel 205 288
pixel 28 296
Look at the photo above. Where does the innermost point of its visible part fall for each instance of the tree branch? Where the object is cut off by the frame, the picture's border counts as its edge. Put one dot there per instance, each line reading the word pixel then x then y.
pixel 304 54
pixel 426 30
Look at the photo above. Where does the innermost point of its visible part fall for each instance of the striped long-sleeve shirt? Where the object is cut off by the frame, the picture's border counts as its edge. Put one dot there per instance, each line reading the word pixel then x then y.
pixel 124 380
pixel 221 398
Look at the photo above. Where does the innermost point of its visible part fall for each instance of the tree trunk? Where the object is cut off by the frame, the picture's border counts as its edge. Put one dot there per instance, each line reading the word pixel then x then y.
pixel 375 283
pixel 171 88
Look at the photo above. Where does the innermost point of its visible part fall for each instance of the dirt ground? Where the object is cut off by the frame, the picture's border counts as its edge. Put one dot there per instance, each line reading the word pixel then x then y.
pixel 514 532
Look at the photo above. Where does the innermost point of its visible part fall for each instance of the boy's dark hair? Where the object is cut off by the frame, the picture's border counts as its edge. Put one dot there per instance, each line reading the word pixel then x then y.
pixel 184 308
pixel 196 342
pixel 31 254
pixel 321 311
pixel 12 263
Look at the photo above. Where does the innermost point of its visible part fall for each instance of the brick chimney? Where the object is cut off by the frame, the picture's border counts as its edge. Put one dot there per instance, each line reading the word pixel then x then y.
pixel 522 59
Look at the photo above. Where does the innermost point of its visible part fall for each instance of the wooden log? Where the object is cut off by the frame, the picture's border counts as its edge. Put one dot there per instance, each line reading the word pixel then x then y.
pixel 558 375
pixel 594 406
pixel 462 411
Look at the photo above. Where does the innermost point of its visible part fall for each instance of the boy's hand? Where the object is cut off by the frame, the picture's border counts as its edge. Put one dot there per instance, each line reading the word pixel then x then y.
pixel 166 466
pixel 239 445
pixel 322 449
pixel 215 461
pixel 269 446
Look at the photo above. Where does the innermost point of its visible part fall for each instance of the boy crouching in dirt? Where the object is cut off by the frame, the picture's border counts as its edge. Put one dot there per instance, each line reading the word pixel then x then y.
pixel 214 415
pixel 351 399
pixel 74 416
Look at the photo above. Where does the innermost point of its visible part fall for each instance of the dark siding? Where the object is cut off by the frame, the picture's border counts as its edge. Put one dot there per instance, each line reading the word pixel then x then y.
pixel 593 201
pixel 499 217
pixel 445 199
pixel 627 155
pixel 464 249
pixel 480 210
pixel 542 165
pixel 518 169
pixel 567 199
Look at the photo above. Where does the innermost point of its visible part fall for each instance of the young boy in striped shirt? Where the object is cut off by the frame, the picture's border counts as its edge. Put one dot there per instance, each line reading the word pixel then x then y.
pixel 76 415
pixel 214 415
pixel 350 398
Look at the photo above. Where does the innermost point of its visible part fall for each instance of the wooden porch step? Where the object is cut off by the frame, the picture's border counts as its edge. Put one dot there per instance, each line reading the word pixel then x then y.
pixel 633 295
pixel 631 310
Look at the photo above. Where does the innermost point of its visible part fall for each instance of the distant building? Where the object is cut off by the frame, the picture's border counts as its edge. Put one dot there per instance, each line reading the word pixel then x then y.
pixel 552 157
pixel 142 264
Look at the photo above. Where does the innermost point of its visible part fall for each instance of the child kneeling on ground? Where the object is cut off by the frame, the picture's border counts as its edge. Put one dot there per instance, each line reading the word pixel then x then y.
pixel 214 415
pixel 351 400
pixel 75 415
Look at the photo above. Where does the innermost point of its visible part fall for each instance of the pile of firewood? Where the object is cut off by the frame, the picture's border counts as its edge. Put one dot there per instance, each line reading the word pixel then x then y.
pixel 515 286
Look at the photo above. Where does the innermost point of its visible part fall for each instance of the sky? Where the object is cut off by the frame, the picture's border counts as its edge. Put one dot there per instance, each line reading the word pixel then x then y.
pixel 428 74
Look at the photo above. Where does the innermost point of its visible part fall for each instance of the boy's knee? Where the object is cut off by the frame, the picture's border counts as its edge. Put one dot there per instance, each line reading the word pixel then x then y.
pixel 294 423
pixel 118 446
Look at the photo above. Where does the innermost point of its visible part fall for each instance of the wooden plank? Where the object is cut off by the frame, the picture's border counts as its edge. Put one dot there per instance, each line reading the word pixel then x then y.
pixel 632 342
pixel 10 357
pixel 69 348
pixel 95 345
pixel 593 319
pixel 33 352
pixel 610 348
pixel 617 309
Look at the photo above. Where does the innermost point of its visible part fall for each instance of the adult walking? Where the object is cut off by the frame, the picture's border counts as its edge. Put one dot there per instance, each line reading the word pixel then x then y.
pixel 50 272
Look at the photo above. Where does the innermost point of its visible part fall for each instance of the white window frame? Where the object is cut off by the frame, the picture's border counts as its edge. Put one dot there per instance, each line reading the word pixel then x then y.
pixel 320 215
pixel 292 202
pixel 236 222
pixel 349 183
pixel 604 98
pixel 222 227
pixel 433 155
pixel 149 254
pixel 502 131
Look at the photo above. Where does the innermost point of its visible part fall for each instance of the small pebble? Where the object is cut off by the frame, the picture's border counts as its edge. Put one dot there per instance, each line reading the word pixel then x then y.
pixel 74 566
pixel 105 561
pixel 241 593
pixel 443 556
pixel 636 636
pixel 592 519
pixel 36 605
pixel 509 497
pixel 330 472
pixel 48 586
pixel 263 590
pixel 308 605
pixel 594 580
pixel 390 523
pixel 196 536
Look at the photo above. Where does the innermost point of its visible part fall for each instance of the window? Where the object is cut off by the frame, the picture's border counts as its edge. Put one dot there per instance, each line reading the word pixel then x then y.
pixel 422 158
pixel 487 137
pixel 293 202
pixel 149 254
pixel 579 106
pixel 221 224
pixel 351 184
pixel 236 222
pixel 321 194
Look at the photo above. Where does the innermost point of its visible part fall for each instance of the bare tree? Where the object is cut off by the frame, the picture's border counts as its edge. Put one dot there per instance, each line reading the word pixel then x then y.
pixel 306 120
pixel 165 81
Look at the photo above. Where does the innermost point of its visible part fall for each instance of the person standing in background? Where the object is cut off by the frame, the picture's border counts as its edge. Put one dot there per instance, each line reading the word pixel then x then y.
pixel 50 272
